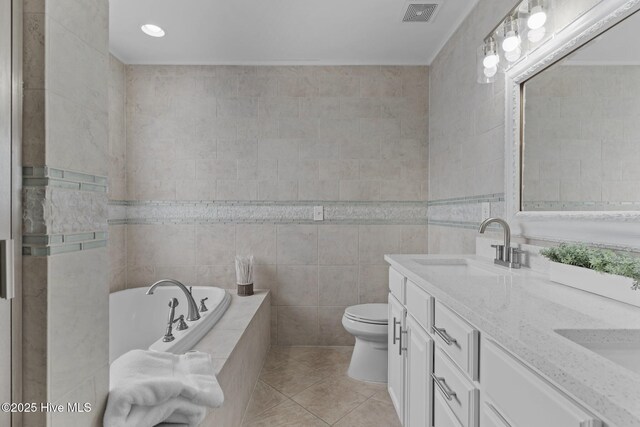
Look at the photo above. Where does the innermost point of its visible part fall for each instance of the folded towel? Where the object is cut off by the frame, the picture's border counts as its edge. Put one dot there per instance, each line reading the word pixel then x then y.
pixel 149 387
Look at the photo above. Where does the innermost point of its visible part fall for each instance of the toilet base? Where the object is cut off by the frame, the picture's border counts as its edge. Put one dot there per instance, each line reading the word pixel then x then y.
pixel 369 361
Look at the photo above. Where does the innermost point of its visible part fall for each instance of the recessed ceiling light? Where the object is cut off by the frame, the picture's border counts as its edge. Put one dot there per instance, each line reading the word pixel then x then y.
pixel 152 30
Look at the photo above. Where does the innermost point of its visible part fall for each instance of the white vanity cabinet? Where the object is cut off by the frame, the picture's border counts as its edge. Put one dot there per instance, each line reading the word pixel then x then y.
pixel 396 358
pixel 419 368
pixel 444 372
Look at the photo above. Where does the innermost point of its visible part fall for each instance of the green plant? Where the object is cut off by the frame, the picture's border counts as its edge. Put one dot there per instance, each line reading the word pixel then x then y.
pixel 601 260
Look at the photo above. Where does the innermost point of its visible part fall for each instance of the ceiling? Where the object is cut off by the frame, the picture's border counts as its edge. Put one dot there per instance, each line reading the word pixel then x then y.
pixel 279 32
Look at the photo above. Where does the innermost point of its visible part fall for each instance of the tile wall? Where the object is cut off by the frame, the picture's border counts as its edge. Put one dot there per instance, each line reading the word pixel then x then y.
pixel 581 138
pixel 466 126
pixel 274 139
pixel 65 287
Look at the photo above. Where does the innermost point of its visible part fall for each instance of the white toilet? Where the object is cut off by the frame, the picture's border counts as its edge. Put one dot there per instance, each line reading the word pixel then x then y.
pixel 368 324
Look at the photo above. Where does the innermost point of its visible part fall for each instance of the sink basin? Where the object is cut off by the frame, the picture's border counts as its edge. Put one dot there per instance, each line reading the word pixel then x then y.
pixel 457 267
pixel 621 346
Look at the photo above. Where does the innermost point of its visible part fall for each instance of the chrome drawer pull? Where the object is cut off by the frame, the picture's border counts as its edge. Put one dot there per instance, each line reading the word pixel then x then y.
pixel 395 338
pixel 444 388
pixel 442 333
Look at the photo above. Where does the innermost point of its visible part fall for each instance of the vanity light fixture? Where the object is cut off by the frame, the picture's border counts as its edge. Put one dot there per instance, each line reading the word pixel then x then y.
pixel 491 57
pixel 152 30
pixel 511 39
pixel 537 15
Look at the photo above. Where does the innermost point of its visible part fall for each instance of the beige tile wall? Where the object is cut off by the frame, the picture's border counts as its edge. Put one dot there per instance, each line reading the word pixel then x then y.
pixel 466 119
pixel 65 321
pixel 313 271
pixel 581 138
pixel 276 133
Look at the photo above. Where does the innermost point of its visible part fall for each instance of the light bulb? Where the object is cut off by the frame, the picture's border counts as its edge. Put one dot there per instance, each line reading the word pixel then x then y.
pixel 536 35
pixel 490 71
pixel 491 60
pixel 511 41
pixel 514 55
pixel 537 18
pixel 152 30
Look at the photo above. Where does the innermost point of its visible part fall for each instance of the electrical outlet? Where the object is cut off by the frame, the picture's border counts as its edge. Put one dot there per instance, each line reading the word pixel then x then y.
pixel 318 213
pixel 486 210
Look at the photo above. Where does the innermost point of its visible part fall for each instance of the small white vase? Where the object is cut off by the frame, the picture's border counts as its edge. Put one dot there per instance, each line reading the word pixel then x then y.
pixel 603 284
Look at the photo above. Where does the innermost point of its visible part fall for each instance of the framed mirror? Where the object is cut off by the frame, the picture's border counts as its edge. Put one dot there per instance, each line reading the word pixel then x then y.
pixel 573 132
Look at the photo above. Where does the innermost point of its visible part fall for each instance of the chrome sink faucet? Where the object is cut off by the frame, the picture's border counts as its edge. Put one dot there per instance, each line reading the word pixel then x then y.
pixel 505 254
pixel 193 307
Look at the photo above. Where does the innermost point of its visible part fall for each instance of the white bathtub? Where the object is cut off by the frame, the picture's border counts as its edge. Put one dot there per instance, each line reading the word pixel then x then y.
pixel 139 321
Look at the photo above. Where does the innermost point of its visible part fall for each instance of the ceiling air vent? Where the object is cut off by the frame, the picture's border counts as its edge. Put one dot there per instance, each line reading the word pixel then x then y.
pixel 420 12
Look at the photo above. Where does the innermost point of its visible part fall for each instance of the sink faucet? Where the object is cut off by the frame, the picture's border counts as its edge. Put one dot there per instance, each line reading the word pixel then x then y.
pixel 505 254
pixel 193 307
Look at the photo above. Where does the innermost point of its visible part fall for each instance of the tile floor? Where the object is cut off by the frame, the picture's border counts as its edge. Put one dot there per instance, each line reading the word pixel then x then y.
pixel 309 386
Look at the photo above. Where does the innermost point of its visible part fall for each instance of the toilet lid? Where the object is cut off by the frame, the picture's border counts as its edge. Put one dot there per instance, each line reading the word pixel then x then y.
pixel 369 313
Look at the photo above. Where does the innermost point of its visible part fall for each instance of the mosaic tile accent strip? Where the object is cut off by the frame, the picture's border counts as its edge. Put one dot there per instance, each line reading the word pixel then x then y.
pixel 45 176
pixel 46 245
pixel 199 212
pixel 63 211
pixel 464 212
pixel 580 206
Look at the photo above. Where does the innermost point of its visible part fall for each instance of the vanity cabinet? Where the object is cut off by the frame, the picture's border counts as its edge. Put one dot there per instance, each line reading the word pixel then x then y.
pixel 396 358
pixel 444 372
pixel 419 368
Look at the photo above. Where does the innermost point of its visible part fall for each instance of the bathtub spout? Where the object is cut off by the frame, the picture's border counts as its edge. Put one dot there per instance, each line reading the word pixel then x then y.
pixel 193 307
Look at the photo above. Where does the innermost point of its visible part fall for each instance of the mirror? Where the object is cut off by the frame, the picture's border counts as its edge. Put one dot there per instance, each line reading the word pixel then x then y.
pixel 580 147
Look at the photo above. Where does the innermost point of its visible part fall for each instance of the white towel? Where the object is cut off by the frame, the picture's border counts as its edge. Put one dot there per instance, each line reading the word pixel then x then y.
pixel 149 387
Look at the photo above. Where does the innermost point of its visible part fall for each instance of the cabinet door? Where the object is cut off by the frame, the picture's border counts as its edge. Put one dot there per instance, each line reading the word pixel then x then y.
pixel 396 355
pixel 419 368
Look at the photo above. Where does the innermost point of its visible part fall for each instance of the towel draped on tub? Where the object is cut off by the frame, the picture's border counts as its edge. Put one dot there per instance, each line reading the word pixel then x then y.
pixel 149 387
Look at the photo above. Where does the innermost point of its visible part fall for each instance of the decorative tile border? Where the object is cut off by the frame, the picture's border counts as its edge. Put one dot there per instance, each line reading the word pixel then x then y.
pixel 295 212
pixel 63 211
pixel 464 212
pixel 580 206
pixel 45 176
pixel 46 245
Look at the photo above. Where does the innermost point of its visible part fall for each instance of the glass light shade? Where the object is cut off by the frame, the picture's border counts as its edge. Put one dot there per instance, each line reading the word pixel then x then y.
pixel 487 60
pixel 513 55
pixel 490 72
pixel 534 36
pixel 152 30
pixel 537 18
pixel 490 60
pixel 511 41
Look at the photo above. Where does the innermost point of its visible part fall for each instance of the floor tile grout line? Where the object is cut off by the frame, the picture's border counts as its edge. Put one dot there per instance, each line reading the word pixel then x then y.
pixel 353 409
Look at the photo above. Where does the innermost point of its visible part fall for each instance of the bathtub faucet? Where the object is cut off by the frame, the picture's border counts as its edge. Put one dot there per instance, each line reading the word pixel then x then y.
pixel 193 307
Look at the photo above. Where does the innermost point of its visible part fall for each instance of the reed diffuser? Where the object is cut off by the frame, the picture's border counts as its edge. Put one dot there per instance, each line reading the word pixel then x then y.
pixel 244 275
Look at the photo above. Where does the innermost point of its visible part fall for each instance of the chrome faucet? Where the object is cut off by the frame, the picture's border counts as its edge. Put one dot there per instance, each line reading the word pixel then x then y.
pixel 193 307
pixel 505 254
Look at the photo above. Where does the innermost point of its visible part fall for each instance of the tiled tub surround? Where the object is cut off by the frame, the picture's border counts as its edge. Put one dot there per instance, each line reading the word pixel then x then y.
pixel 466 119
pixel 581 150
pixel 238 344
pixel 313 271
pixel 522 311
pixel 276 133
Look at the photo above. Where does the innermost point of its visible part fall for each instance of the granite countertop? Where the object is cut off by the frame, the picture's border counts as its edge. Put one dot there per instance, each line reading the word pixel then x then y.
pixel 522 311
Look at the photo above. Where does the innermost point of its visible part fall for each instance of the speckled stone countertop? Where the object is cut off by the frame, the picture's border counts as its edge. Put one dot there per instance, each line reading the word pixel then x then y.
pixel 522 311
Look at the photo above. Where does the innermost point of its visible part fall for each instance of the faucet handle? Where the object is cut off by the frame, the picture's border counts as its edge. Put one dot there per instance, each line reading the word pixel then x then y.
pixel 202 306
pixel 499 251
pixel 182 325
pixel 191 289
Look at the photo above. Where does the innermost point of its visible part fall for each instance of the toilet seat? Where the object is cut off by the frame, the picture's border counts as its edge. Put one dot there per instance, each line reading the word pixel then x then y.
pixel 375 314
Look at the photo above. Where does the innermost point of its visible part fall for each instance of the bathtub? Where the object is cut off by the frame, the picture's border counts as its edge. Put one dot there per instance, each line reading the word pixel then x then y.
pixel 139 321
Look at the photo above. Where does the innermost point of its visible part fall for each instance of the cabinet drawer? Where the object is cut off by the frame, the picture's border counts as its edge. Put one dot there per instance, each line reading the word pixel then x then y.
pixel 525 398
pixel 397 284
pixel 442 415
pixel 463 396
pixel 489 417
pixel 458 339
pixel 419 304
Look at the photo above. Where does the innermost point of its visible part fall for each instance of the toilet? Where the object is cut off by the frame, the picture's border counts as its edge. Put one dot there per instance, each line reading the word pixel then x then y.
pixel 368 324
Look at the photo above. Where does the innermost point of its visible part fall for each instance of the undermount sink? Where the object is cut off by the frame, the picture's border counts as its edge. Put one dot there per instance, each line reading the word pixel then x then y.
pixel 621 346
pixel 457 267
